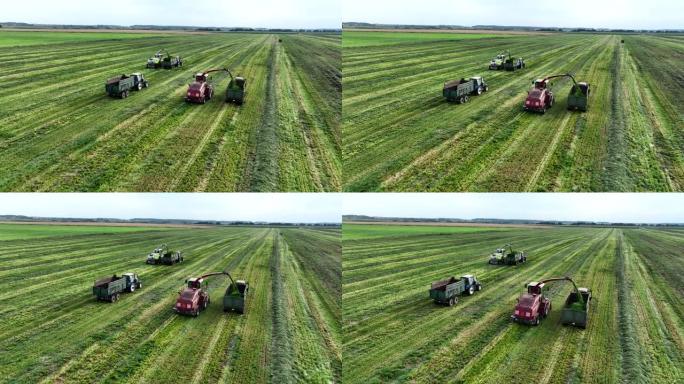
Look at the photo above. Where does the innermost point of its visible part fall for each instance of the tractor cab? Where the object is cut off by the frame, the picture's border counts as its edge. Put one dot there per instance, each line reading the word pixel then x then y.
pixel 469 279
pixel 535 288
pixel 478 80
pixel 541 84
pixel 201 77
pixel 195 283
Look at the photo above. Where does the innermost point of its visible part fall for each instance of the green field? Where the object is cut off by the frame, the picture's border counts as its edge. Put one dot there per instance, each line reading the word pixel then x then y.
pixel 363 38
pixel 394 333
pixel 59 131
pixel 360 231
pixel 56 332
pixel 19 38
pixel 401 135
pixel 20 231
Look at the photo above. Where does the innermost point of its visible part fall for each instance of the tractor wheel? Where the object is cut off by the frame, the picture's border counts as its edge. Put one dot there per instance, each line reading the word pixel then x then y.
pixel 140 86
pixel 471 290
pixel 479 288
pixel 486 88
pixel 479 91
pixel 139 285
pixel 132 288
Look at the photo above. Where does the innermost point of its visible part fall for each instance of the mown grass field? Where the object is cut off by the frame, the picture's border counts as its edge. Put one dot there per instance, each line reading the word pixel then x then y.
pixel 401 135
pixel 59 131
pixel 394 333
pixel 55 331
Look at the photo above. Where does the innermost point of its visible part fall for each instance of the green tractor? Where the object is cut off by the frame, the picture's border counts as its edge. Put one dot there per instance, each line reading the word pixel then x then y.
pixel 162 59
pixel 499 61
pixel 507 256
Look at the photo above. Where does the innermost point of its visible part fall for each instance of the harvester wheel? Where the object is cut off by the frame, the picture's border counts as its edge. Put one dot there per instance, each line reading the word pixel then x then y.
pixel 536 321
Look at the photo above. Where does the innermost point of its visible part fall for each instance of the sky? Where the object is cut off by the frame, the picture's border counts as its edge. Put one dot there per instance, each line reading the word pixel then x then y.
pixel 280 207
pixel 626 14
pixel 611 207
pixel 206 13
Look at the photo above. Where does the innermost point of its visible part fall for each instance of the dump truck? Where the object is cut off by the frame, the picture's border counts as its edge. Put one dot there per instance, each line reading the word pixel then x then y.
pixel 194 298
pixel 461 90
pixel 498 62
pixel 234 298
pixel 512 64
pixel 120 86
pixel 447 291
pixel 162 255
pixel 533 306
pixel 236 90
pixel 109 288
pixel 507 256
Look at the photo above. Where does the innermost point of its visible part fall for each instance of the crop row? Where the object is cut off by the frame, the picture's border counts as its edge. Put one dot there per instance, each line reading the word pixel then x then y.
pixel 395 333
pixel 53 318
pixel 59 131
pixel 399 133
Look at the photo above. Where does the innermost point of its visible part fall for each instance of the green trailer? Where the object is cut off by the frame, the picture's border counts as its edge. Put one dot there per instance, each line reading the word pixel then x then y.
pixel 576 308
pixel 236 90
pixel 578 99
pixel 235 296
pixel 109 288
